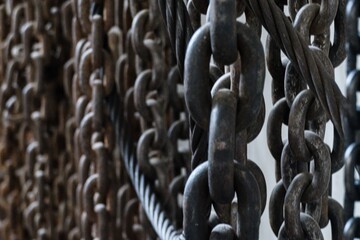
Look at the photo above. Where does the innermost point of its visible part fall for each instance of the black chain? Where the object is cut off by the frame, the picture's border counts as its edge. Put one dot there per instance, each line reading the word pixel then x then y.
pixel 125 119
pixel 352 126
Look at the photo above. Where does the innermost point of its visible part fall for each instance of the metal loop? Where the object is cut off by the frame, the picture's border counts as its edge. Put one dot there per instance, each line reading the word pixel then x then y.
pixel 222 232
pixel 352 187
pixel 321 174
pixel 146 141
pixel 351 230
pixel 352 15
pixel 276 207
pixel 102 219
pixel 197 204
pixel 277 117
pixel 86 69
pixel 84 13
pixel 28 101
pixel 102 169
pixel 173 79
pixel 352 87
pixel 327 13
pixel 159 123
pixel 337 52
pixel 223 31
pixel 30 159
pixel 294 226
pixel 116 42
pixel 260 179
pixel 224 82
pixel 97 33
pixel 66 20
pixel 16 17
pixel 97 105
pixel 297 121
pixel 86 133
pixel 141 86
pixel 293 84
pixel 139 29
pixel 290 166
pixel 303 22
pixel 222 146
pixel 276 69
pixel 157 59
pixel 336 216
pixel 89 190
pixel 197 74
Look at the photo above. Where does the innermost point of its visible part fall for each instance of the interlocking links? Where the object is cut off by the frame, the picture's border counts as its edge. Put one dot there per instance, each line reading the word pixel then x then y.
pixel 310 67
pixel 148 86
pixel 229 110
pixel 304 163
pixel 100 109
pixel 351 156
pixel 31 85
pixel 88 80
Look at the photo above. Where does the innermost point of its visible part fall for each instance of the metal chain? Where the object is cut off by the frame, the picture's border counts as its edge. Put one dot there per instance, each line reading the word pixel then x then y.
pixel 125 119
pixel 300 204
pixel 352 123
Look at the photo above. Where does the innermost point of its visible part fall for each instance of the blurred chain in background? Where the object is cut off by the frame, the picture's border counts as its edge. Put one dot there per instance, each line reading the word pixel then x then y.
pixel 352 125
pixel 127 119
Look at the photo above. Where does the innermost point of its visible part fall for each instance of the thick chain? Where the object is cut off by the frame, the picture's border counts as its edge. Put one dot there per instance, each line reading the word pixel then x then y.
pixel 304 163
pixel 115 125
pixel 352 124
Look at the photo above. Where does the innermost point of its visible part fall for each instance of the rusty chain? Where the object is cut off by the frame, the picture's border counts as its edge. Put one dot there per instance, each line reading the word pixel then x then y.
pixel 125 119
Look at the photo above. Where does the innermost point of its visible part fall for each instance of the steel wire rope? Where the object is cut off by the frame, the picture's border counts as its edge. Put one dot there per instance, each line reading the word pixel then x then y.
pixel 145 192
pixel 297 50
pixel 180 31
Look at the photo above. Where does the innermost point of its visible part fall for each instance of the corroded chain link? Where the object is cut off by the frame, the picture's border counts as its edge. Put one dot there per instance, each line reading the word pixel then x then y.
pixel 126 119
pixel 32 110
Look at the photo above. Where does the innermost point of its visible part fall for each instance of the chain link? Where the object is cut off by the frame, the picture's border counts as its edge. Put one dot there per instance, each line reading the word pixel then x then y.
pixel 125 119
pixel 300 204
pixel 352 123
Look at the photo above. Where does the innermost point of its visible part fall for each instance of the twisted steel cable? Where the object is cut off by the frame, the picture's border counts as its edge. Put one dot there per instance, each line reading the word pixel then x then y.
pixel 290 41
pixel 180 31
pixel 287 38
pixel 308 64
pixel 145 192
pixel 179 28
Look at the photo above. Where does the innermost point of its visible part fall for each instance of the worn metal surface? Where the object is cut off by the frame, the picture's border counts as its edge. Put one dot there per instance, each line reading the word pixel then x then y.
pixel 352 191
pixel 127 119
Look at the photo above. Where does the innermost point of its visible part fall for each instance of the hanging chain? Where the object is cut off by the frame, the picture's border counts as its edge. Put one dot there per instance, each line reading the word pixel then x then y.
pixel 300 203
pixel 125 119
pixel 352 124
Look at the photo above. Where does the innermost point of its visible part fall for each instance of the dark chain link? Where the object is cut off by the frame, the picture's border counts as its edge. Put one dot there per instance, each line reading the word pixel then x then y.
pixel 115 125
pixel 351 230
pixel 300 204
